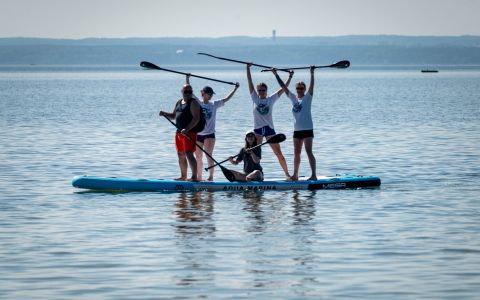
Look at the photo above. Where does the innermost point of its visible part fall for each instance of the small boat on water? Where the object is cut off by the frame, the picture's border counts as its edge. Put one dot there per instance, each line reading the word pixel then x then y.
pixel 169 185
pixel 429 71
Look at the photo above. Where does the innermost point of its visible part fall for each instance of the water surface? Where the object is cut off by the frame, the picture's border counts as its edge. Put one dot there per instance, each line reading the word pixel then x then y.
pixel 415 237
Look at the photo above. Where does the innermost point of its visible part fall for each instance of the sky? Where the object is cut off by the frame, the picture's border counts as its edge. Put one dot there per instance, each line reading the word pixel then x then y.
pixel 78 19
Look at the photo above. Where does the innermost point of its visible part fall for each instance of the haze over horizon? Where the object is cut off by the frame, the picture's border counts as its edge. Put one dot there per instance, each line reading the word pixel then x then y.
pixel 70 19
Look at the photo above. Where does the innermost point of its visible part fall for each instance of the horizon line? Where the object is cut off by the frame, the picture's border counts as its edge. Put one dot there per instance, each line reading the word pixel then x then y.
pixel 243 36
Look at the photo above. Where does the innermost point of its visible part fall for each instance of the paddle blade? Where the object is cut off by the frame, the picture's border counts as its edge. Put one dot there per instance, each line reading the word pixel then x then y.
pixel 341 64
pixel 278 138
pixel 228 174
pixel 149 65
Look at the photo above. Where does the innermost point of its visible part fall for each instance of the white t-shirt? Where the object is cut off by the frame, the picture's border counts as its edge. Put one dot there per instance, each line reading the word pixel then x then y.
pixel 209 110
pixel 262 110
pixel 302 111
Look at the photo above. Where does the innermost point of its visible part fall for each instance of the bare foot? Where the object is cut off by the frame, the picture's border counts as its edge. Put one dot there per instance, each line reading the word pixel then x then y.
pixel 294 178
pixel 180 179
pixel 312 178
pixel 194 179
pixel 288 178
pixel 210 179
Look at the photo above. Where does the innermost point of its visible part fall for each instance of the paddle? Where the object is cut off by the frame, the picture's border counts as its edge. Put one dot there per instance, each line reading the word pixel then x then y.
pixel 239 61
pixel 149 65
pixel 343 64
pixel 278 138
pixel 228 174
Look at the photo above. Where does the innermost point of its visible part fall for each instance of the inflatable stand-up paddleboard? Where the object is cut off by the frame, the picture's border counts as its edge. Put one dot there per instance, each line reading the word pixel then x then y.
pixel 168 185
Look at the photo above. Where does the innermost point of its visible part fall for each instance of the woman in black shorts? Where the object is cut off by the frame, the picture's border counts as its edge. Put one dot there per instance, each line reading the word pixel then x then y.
pixel 303 124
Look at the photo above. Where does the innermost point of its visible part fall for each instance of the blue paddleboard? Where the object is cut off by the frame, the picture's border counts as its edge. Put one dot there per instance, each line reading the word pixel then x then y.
pixel 168 185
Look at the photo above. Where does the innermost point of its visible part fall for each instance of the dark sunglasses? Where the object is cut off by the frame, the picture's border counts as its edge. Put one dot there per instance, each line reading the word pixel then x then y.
pixel 262 91
pixel 300 88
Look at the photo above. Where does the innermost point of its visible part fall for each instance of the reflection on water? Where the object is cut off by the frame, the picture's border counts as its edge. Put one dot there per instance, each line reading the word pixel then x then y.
pixel 194 223
pixel 194 213
pixel 278 230
pixel 303 206
pixel 265 209
pixel 253 206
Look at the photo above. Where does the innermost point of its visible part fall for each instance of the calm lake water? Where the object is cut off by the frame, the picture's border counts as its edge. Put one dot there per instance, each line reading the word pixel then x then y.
pixel 416 237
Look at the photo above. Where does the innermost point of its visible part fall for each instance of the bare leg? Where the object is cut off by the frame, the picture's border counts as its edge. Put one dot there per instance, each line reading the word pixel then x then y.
pixel 193 164
pixel 311 159
pixel 259 139
pixel 281 159
pixel 297 148
pixel 182 162
pixel 209 144
pixel 255 176
pixel 199 158
pixel 239 176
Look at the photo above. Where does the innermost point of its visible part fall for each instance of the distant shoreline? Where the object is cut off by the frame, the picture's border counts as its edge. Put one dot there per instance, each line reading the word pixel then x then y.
pixel 365 50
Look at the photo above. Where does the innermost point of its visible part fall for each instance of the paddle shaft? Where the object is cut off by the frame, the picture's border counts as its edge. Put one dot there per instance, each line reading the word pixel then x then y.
pixel 149 65
pixel 278 138
pixel 239 61
pixel 228 174
pixel 225 160
pixel 338 65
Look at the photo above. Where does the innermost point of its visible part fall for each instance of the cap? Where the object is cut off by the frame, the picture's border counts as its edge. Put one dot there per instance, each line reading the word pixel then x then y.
pixel 208 90
pixel 249 132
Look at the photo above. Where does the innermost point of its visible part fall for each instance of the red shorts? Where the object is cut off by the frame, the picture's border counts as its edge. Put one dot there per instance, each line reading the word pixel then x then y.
pixel 184 144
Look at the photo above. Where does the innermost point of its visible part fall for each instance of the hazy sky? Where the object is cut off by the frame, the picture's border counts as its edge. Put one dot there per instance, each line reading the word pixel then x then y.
pixel 215 18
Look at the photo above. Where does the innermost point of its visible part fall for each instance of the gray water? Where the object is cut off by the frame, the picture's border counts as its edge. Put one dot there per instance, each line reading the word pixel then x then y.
pixel 416 237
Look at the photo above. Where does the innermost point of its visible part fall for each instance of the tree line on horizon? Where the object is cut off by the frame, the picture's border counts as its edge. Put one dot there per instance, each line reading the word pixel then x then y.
pixel 360 50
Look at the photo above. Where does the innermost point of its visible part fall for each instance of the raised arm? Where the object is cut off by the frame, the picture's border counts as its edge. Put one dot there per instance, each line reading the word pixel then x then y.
pixel 312 80
pixel 229 96
pixel 283 86
pixel 187 81
pixel 251 88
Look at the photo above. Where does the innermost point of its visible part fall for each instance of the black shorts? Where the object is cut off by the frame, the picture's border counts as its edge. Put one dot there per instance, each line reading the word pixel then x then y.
pixel 302 134
pixel 264 131
pixel 201 138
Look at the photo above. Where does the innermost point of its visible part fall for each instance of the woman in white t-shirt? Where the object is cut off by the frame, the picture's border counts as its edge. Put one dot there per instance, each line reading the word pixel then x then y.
pixel 303 124
pixel 206 138
pixel 262 116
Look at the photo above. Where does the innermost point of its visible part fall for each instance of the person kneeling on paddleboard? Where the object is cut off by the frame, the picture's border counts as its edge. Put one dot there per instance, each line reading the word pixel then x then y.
pixel 252 171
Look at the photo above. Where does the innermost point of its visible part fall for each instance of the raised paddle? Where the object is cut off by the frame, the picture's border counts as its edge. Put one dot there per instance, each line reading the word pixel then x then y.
pixel 278 138
pixel 343 64
pixel 149 65
pixel 228 174
pixel 239 61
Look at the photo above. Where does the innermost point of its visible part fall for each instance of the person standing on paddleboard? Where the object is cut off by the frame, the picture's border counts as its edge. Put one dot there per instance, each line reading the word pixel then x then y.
pixel 303 124
pixel 206 138
pixel 262 115
pixel 188 122
pixel 252 171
